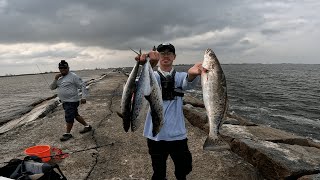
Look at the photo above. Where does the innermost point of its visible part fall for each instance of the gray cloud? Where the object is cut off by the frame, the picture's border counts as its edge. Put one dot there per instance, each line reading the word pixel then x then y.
pixel 269 31
pixel 118 24
pixel 247 29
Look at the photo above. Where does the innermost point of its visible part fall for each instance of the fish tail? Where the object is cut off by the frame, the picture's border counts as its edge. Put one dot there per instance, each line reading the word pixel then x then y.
pixel 215 144
pixel 126 122
pixel 126 126
pixel 156 128
pixel 156 123
pixel 133 127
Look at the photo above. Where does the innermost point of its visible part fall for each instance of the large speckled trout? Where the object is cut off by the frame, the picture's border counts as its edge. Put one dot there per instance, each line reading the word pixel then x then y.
pixel 214 90
pixel 139 105
pixel 126 99
pixel 154 97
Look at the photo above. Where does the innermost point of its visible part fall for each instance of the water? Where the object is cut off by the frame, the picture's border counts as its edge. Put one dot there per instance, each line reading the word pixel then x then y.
pixel 18 93
pixel 284 96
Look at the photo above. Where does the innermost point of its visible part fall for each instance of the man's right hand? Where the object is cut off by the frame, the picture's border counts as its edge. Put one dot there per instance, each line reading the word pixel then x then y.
pixel 153 55
pixel 154 58
pixel 58 76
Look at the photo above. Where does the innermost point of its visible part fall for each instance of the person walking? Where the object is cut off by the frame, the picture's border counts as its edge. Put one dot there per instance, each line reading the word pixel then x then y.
pixel 68 84
pixel 172 138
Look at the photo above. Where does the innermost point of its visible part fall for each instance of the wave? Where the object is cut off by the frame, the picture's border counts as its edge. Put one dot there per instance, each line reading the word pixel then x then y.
pixel 298 119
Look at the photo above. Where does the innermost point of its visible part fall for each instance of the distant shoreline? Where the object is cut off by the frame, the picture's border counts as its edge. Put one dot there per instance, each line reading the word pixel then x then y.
pixel 13 75
pixel 51 72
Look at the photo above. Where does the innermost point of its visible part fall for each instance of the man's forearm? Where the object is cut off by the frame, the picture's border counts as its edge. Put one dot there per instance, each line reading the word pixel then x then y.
pixel 53 85
pixel 84 91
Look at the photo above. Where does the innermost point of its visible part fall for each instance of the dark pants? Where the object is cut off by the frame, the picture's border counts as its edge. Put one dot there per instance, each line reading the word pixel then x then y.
pixel 71 111
pixel 179 152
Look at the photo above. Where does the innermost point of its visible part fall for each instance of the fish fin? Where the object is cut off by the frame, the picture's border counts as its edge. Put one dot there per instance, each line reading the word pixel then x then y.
pixel 154 133
pixel 148 98
pixel 119 114
pixel 212 144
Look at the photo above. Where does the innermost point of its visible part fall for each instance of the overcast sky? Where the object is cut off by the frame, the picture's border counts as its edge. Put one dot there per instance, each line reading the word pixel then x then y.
pixel 98 33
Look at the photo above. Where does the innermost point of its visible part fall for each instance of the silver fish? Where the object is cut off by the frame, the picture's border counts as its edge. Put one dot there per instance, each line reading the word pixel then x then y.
pixel 214 90
pixel 139 105
pixel 126 99
pixel 154 98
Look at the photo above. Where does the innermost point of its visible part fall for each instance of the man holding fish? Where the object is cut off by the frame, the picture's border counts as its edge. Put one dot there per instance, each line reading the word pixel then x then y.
pixel 172 136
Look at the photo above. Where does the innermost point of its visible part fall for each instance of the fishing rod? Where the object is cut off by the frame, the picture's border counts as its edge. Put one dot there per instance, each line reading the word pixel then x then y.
pixel 42 75
pixel 81 150
pixel 136 51
pixel 139 53
pixel 86 149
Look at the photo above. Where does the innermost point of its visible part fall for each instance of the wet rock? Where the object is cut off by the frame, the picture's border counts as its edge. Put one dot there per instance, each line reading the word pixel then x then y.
pixel 193 101
pixel 275 153
pixel 196 116
pixel 242 121
pixel 38 112
pixel 310 177
pixel 259 132
pixel 276 160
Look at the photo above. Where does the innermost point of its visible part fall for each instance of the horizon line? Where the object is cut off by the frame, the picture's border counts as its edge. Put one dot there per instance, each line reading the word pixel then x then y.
pixel 24 74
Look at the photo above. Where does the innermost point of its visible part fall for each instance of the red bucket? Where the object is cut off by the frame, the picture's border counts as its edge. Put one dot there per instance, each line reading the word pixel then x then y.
pixel 42 151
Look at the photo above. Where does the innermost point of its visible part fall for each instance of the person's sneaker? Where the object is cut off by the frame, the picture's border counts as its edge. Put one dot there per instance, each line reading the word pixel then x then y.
pixel 86 129
pixel 66 137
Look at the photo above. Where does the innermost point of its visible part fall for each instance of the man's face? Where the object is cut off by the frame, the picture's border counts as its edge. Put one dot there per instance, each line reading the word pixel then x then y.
pixel 167 58
pixel 64 70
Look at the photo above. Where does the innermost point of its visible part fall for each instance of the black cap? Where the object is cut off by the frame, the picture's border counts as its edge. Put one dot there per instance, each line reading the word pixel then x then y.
pixel 63 64
pixel 166 46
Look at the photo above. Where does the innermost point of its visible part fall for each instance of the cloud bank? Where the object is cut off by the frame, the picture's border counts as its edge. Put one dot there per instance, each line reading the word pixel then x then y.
pixel 99 33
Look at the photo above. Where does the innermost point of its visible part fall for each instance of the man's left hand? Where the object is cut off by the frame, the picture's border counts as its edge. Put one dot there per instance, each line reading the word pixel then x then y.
pixel 83 101
pixel 194 71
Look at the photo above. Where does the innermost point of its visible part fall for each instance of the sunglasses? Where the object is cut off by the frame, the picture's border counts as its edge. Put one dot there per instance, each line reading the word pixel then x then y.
pixel 63 67
pixel 166 53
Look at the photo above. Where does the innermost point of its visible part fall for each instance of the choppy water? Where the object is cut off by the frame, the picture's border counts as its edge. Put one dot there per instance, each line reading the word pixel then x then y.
pixel 284 96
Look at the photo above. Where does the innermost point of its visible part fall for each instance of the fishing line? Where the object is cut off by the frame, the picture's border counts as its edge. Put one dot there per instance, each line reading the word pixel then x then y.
pixel 81 150
pixel 42 75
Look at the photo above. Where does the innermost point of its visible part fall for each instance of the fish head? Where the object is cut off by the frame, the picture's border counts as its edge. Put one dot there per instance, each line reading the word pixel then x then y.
pixel 210 60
